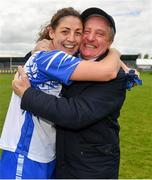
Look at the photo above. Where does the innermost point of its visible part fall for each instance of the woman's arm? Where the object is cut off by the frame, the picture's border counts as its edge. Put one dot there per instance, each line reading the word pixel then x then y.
pixel 124 67
pixel 103 70
pixel 127 69
pixel 47 45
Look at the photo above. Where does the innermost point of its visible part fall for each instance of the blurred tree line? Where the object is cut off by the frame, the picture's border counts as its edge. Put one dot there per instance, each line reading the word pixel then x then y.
pixel 145 56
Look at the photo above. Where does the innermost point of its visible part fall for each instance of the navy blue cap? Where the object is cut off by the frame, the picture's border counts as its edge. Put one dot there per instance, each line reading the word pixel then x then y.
pixel 96 11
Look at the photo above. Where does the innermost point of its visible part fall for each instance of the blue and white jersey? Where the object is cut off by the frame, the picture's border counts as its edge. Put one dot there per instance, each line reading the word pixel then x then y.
pixel 25 133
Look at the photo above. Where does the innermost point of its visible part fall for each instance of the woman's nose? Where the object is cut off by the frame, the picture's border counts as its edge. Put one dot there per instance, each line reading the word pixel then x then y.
pixel 71 37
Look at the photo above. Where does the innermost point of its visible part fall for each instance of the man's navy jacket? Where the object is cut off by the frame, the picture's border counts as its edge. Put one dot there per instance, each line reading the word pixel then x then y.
pixel 87 141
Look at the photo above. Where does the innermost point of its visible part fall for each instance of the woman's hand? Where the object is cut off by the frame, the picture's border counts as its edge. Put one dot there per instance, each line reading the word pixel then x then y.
pixel 43 45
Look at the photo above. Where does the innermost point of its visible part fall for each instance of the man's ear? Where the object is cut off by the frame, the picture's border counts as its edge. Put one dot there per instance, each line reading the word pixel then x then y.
pixel 110 43
pixel 51 33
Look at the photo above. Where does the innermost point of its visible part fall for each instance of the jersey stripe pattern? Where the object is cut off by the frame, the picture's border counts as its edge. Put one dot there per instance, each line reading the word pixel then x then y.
pixel 22 131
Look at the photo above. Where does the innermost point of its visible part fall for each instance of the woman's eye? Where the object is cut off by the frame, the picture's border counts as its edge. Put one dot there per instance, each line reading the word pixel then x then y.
pixel 64 32
pixel 79 33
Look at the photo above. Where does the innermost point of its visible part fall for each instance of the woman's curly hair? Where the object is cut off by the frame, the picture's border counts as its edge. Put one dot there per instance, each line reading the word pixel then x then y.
pixel 44 33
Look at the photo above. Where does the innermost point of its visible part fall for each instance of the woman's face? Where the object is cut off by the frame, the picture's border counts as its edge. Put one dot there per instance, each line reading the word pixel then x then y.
pixel 67 35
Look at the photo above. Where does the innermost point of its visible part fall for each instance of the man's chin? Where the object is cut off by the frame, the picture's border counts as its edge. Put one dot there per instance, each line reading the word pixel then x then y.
pixel 87 56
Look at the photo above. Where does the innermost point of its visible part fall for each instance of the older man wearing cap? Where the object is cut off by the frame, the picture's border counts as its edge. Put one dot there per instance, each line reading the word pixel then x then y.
pixel 86 118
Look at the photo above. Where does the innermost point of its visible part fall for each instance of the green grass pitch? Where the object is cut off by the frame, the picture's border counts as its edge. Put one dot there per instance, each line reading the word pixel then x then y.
pixel 135 122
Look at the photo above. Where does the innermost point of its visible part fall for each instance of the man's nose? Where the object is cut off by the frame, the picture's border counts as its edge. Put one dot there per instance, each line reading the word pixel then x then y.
pixel 91 36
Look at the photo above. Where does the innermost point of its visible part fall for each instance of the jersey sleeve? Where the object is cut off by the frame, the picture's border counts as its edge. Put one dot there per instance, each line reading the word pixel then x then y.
pixel 53 65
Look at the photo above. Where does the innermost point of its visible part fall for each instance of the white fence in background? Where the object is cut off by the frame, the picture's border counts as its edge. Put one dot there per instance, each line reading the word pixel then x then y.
pixel 145 64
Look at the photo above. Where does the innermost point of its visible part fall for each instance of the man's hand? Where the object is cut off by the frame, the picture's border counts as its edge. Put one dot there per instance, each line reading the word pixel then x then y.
pixel 20 82
pixel 44 44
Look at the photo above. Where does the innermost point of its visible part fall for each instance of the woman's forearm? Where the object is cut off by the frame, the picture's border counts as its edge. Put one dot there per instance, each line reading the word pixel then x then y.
pixel 104 70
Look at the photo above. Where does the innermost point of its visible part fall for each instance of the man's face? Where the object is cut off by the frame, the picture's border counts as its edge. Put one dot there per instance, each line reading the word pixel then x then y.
pixel 96 38
pixel 68 34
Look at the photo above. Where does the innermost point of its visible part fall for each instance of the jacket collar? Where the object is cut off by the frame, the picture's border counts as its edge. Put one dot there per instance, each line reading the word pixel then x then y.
pixel 103 55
